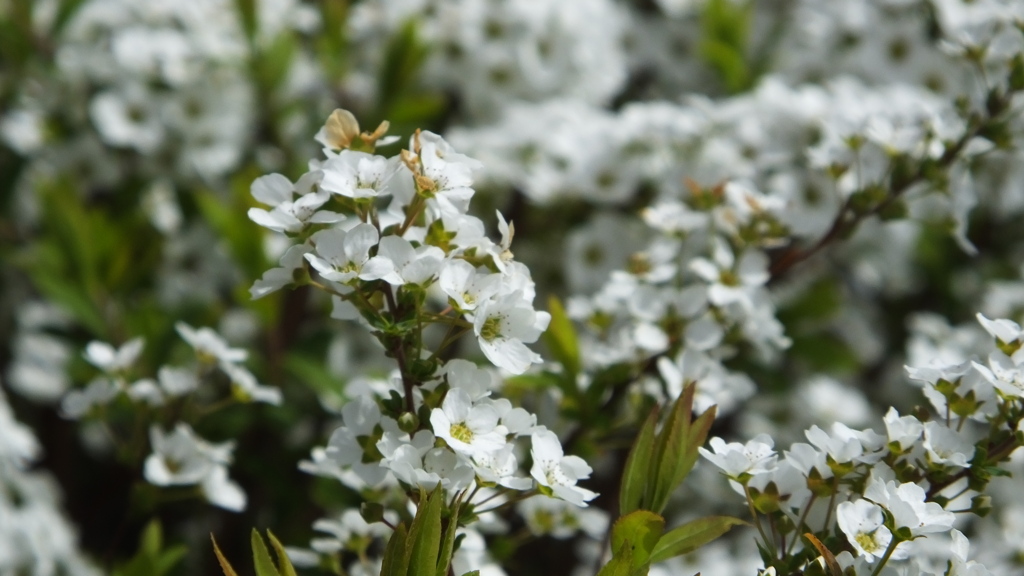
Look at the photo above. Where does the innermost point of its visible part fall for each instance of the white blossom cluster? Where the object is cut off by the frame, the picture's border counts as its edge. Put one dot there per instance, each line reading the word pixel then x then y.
pixel 809 147
pixel 179 457
pixel 153 78
pixel 884 492
pixel 35 537
pixel 691 296
pixel 391 241
pixel 495 53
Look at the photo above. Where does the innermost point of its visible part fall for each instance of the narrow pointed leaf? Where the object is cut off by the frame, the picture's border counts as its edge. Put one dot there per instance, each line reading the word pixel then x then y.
pixel 225 566
pixel 396 562
pixel 692 535
pixel 261 556
pixel 152 539
pixel 168 559
pixel 561 338
pixel 425 535
pixel 284 564
pixel 640 532
pixel 670 447
pixel 834 569
pixel 637 472
pixel 444 557
pixel 698 434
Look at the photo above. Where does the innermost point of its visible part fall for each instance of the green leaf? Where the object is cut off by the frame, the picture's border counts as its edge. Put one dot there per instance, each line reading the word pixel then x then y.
pixel 692 535
pixel 560 338
pixel 275 61
pixel 621 563
pixel 229 220
pixel 225 566
pixel 640 531
pixel 396 559
pixel 444 557
pixel 425 534
pixel 152 539
pixel 168 559
pixel 151 559
pixel 726 29
pixel 697 435
pixel 637 472
pixel 247 15
pixel 403 57
pixel 283 562
pixel 261 556
pixel 668 450
pixel 70 298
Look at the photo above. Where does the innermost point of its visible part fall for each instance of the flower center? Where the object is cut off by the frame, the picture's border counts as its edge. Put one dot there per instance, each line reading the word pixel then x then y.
pixel 729 278
pixel 491 328
pixel 867 542
pixel 461 432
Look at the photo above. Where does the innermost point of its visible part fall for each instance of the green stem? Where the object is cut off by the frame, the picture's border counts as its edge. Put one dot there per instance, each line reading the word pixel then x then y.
pixel 801 522
pixel 414 211
pixel 893 543
pixel 770 544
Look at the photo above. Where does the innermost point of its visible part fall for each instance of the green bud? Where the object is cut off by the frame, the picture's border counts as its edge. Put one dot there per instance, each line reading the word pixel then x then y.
pixel 408 422
pixel 371 512
pixel 981 505
pixel 768 501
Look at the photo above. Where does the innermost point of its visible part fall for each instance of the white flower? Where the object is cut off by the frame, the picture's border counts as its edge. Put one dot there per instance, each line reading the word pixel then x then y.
pixel 945 446
pixel 146 390
pixel 846 445
pixel 450 172
pixel 476 381
pixel 78 403
pixel 907 504
pixel 731 281
pixel 861 521
pixel 467 428
pixel 358 174
pixel 210 346
pixel 290 214
pixel 245 387
pixel 806 458
pixel 277 278
pixel 902 430
pixel 353 445
pixel 343 256
pixel 111 360
pixel 504 326
pixel 959 565
pixel 1006 331
pixel 130 118
pixel 407 264
pixel 419 463
pixel 1003 373
pixel 177 381
pixel 736 460
pixel 554 470
pixel 561 520
pixel 346 530
pixel 466 287
pixel 182 458
pixel 499 468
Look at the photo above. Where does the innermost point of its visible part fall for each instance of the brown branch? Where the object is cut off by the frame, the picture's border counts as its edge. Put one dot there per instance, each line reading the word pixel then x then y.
pixel 847 219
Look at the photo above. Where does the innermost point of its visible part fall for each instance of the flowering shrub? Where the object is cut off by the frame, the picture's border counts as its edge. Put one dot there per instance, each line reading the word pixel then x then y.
pixel 603 287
